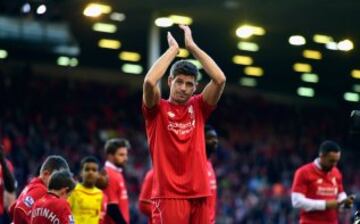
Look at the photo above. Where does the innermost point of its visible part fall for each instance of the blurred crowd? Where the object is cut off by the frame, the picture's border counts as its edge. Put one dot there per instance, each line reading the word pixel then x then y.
pixel 261 142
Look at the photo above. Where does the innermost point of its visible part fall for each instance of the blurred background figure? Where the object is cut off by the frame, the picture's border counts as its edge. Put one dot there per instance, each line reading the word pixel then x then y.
pixel 87 202
pixel 53 206
pixel 7 186
pixel 117 211
pixel 318 187
pixel 38 187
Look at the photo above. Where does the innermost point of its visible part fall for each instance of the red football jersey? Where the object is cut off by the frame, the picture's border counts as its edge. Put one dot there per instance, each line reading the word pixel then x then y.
pixel 314 183
pixel 177 147
pixel 2 189
pixel 51 209
pixel 21 211
pixel 213 197
pixel 145 194
pixel 116 192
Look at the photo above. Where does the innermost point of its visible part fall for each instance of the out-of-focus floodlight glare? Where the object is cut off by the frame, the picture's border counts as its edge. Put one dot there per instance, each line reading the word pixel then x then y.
pixel 356 88
pixel 332 46
pixel 104 27
pixel 3 54
pixel 116 16
pixel 183 53
pixel 184 20
pixel 63 61
pixel 253 71
pixel 132 68
pixel 297 40
pixel 41 9
pixel 66 61
pixel 302 67
pixel 109 44
pixel 248 46
pixel 248 82
pixel 129 56
pixel 312 54
pixel 26 8
pixel 95 9
pixel 351 97
pixel 345 45
pixel 163 22
pixel 306 92
pixel 73 62
pixel 196 63
pixel 246 31
pixel 322 39
pixel 242 60
pixel 310 77
pixel 355 74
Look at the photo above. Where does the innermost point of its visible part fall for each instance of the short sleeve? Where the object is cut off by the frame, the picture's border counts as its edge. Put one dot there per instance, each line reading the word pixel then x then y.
pixel 300 182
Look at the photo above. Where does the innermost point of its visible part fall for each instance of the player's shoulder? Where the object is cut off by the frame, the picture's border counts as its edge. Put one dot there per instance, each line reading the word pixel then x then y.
pixel 306 167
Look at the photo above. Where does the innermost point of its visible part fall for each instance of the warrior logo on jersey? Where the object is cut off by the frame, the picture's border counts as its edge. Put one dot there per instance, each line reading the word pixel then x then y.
pixel 29 201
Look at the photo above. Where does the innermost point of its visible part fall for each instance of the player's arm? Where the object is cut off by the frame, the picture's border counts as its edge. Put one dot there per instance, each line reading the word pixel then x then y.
pixel 299 199
pixel 213 90
pixel 113 211
pixel 8 178
pixel 151 89
pixel 145 206
pixel 20 216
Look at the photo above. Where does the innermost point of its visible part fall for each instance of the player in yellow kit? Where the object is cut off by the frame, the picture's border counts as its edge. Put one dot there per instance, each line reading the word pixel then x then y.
pixel 87 202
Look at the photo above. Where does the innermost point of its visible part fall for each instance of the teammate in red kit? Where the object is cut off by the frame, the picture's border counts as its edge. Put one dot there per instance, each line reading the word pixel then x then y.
pixel 7 184
pixel 211 140
pixel 145 203
pixel 53 207
pixel 318 189
pixel 175 131
pixel 37 188
pixel 117 211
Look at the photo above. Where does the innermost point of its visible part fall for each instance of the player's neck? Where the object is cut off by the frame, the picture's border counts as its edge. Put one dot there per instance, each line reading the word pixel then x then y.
pixel 88 185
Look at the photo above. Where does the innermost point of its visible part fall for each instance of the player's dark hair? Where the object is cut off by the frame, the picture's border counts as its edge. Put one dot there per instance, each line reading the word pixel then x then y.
pixel 88 159
pixel 329 146
pixel 112 145
pixel 183 67
pixel 61 179
pixel 53 163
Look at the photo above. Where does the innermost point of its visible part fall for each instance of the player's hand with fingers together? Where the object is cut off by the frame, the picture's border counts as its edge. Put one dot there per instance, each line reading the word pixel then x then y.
pixel 189 41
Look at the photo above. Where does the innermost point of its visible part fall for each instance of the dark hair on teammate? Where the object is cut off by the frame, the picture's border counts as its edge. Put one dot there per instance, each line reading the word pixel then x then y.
pixel 183 67
pixel 329 146
pixel 53 163
pixel 88 159
pixel 113 144
pixel 61 179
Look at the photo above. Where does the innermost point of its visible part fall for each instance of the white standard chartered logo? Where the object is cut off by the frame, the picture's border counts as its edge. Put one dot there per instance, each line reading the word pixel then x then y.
pixel 181 128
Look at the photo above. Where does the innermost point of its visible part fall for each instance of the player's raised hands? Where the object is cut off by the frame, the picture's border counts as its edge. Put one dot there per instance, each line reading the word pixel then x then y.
pixel 172 42
pixel 189 41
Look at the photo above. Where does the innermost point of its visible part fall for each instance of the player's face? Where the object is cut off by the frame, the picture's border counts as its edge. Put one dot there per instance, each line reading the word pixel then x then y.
pixel 121 156
pixel 212 141
pixel 89 173
pixel 182 87
pixel 329 160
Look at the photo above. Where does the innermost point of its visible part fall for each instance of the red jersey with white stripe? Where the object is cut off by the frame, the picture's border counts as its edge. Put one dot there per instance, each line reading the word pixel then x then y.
pixel 177 147
pixel 212 198
pixel 51 209
pixel 116 192
pixel 315 183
